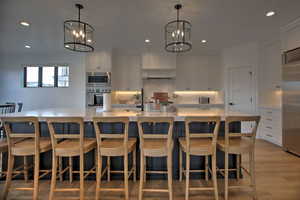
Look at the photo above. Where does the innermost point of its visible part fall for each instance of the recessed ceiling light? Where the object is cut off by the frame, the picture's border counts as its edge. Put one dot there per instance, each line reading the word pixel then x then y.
pixel 203 41
pixel 27 46
pixel 67 46
pixel 89 40
pixel 147 40
pixel 23 23
pixel 270 13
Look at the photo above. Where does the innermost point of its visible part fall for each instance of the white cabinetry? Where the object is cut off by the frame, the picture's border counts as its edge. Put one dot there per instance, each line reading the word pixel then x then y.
pixel 270 75
pixel 99 61
pixel 164 60
pixel 198 73
pixel 270 127
pixel 126 72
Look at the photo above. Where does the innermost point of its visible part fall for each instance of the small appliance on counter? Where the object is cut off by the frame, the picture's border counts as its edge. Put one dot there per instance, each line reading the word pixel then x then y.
pixel 204 100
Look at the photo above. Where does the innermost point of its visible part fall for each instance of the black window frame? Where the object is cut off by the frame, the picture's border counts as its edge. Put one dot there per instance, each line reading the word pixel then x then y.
pixel 40 76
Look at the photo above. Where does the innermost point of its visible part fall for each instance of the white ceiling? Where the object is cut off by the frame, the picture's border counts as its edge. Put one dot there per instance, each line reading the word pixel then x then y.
pixel 125 24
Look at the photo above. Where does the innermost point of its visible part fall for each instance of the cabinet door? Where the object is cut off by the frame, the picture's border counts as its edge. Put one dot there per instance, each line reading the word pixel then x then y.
pixel 126 73
pixel 99 61
pixel 198 73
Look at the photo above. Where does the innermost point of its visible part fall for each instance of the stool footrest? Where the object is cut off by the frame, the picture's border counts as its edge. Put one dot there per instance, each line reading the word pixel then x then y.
pixel 155 190
pixel 156 172
pixel 111 189
pixel 67 189
pixel 201 188
pixel 24 188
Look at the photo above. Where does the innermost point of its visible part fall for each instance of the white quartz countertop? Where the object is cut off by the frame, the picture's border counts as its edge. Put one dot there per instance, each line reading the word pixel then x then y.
pixel 89 113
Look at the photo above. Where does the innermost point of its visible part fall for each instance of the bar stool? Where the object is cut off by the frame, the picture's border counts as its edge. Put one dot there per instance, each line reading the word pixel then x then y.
pixel 155 145
pixel 68 145
pixel 22 169
pixel 200 144
pixel 238 144
pixel 114 144
pixel 31 144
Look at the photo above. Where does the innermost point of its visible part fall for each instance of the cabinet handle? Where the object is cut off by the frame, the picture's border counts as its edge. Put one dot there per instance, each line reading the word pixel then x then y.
pixel 269 135
pixel 269 119
pixel 269 127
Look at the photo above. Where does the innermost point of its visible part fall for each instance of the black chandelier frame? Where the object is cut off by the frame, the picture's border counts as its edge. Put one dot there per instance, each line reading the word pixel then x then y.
pixel 186 25
pixel 87 28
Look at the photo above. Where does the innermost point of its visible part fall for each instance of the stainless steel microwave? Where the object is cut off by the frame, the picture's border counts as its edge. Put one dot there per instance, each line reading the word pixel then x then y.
pixel 98 79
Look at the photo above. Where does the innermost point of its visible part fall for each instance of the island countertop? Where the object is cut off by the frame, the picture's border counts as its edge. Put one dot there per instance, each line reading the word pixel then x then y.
pixel 89 113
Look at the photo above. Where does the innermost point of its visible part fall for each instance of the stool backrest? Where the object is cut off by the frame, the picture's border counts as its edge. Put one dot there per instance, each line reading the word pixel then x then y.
pixel 100 135
pixel 251 134
pixel 212 133
pixel 153 121
pixel 12 136
pixel 55 136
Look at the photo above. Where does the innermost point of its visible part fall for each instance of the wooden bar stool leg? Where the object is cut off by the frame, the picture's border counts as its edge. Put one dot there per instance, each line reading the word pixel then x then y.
pixel 108 168
pixel 10 166
pixel 170 177
pixel 126 176
pixel 142 172
pixel 98 175
pixel 25 160
pixel 214 176
pixel 60 163
pixel 226 177
pixel 134 164
pixel 36 176
pixel 81 158
pixel 187 176
pixel 252 172
pixel 238 166
pixel 53 178
pixel 71 169
pixel 180 164
pixel 206 168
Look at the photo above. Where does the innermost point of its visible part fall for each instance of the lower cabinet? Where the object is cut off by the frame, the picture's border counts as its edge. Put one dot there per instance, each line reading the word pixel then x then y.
pixel 270 127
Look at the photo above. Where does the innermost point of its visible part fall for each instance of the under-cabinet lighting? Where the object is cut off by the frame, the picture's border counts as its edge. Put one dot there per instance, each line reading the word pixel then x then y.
pixel 195 92
pixel 128 92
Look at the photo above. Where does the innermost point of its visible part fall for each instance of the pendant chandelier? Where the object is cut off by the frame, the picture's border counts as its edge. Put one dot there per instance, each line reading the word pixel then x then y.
pixel 78 35
pixel 178 34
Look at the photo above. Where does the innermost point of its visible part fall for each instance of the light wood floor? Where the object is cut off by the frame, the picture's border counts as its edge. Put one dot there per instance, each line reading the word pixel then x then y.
pixel 277 175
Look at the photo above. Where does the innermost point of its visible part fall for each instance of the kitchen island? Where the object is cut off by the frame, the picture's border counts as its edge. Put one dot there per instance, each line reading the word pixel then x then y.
pixel 153 163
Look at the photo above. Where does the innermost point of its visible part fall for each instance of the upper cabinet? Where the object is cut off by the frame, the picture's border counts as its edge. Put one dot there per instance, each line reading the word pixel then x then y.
pixel 126 72
pixel 100 61
pixel 269 76
pixel 161 60
pixel 198 73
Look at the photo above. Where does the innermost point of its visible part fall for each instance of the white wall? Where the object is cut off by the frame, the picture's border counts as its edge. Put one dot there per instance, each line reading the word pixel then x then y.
pixel 239 56
pixel 11 82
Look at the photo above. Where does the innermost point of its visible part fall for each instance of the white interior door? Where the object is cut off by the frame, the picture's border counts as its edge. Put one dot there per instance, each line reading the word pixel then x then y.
pixel 240 90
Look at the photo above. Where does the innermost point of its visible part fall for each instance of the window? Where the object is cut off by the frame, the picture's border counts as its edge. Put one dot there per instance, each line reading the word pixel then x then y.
pixel 63 76
pixel 46 76
pixel 32 76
